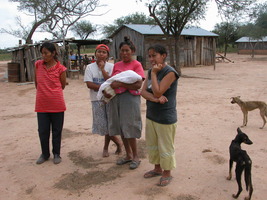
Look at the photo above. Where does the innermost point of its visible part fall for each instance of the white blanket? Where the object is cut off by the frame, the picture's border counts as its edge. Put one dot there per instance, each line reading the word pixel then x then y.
pixel 128 77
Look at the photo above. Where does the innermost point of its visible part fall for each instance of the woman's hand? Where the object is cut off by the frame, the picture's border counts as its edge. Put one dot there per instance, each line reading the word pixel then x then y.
pixel 156 68
pixel 162 99
pixel 115 84
pixel 106 94
pixel 101 64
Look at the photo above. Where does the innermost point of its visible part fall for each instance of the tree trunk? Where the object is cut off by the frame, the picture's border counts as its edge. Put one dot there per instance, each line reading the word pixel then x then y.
pixel 34 27
pixel 177 55
pixel 253 49
pixel 225 49
pixel 170 50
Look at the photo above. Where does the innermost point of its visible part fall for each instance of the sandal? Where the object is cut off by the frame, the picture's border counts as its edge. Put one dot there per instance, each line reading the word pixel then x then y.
pixel 123 161
pixel 134 164
pixel 164 181
pixel 151 174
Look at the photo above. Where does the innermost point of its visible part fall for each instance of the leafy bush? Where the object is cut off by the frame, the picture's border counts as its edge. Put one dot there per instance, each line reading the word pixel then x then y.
pixel 5 56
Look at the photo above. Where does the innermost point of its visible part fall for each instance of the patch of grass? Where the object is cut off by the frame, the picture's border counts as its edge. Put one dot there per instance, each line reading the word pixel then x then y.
pixel 88 51
pixel 230 49
pixel 84 50
pixel 5 56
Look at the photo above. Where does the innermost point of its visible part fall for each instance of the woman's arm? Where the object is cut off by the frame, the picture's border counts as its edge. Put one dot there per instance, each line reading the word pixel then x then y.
pixel 147 95
pixel 101 65
pixel 35 79
pixel 134 86
pixel 160 88
pixel 92 85
pixel 63 79
pixel 150 97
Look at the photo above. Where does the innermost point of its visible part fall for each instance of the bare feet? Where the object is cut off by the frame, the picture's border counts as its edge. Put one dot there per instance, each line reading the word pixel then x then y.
pixel 119 149
pixel 105 153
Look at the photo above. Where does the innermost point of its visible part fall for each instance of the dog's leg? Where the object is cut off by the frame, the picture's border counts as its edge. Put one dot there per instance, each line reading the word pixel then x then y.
pixel 230 170
pixel 262 113
pixel 238 172
pixel 245 118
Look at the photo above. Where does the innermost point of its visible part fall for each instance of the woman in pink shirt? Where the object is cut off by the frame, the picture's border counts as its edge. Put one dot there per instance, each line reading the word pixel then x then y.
pixel 124 108
pixel 50 80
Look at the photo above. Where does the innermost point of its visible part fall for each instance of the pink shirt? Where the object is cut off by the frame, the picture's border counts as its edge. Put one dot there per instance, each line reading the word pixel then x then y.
pixel 122 66
pixel 49 93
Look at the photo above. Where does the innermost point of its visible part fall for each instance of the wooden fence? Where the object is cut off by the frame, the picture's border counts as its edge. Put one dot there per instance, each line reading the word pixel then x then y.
pixel 26 56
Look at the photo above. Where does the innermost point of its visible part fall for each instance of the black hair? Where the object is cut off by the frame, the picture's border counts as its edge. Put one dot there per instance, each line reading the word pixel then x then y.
pixel 128 42
pixel 158 48
pixel 50 47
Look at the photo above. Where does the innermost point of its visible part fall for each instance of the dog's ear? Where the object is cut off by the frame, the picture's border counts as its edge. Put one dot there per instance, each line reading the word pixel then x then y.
pixel 239 130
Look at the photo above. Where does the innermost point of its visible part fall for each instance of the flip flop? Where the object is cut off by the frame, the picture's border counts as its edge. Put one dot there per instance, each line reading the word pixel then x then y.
pixel 122 161
pixel 164 181
pixel 151 174
pixel 134 164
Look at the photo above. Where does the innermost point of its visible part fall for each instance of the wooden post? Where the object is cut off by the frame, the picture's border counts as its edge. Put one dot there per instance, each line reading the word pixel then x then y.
pixel 22 66
pixel 214 53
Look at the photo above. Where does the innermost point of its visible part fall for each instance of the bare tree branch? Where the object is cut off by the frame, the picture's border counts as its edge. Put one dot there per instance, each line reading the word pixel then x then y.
pixel 56 16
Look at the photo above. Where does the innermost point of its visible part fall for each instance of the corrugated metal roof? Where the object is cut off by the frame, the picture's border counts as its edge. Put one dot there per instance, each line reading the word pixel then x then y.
pixel 248 39
pixel 155 30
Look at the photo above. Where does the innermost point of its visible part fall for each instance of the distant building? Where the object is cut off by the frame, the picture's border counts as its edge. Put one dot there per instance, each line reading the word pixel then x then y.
pixel 26 55
pixel 197 47
pixel 246 45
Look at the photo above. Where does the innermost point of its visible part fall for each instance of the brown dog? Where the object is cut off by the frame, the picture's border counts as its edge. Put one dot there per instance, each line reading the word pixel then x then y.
pixel 249 106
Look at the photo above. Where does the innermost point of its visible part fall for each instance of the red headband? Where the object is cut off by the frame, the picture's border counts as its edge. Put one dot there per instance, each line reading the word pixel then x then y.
pixel 102 47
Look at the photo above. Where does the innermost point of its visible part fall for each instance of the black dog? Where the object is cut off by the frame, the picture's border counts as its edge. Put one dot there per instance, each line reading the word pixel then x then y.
pixel 243 161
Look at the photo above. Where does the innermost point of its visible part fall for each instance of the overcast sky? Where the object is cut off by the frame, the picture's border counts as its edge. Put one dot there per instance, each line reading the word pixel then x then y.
pixel 117 9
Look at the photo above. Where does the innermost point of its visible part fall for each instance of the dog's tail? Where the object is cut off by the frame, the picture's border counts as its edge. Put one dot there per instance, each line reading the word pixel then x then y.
pixel 248 175
pixel 248 179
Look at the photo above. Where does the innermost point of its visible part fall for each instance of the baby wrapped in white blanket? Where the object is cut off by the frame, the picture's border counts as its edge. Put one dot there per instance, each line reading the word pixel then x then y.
pixel 128 77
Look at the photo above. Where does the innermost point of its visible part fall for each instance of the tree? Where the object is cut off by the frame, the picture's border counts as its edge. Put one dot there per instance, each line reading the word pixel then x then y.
pixel 234 9
pixel 256 29
pixel 136 18
pixel 22 32
pixel 83 29
pixel 259 16
pixel 173 15
pixel 228 34
pixel 55 16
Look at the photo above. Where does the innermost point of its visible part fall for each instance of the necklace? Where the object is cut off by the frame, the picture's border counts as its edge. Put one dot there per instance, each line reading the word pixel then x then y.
pixel 49 65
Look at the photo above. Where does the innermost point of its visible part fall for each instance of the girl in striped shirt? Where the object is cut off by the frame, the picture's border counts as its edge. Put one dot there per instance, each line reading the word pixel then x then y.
pixel 50 80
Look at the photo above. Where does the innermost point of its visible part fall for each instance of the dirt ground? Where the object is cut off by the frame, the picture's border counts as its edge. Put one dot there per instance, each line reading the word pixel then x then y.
pixel 207 124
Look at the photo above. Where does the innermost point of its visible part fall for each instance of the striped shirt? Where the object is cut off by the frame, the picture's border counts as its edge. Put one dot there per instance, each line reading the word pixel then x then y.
pixel 49 93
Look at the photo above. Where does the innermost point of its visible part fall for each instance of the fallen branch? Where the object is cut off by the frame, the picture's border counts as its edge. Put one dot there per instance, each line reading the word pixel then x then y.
pixel 223 57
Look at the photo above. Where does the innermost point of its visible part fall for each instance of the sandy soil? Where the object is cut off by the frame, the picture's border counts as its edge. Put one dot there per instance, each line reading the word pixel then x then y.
pixel 207 124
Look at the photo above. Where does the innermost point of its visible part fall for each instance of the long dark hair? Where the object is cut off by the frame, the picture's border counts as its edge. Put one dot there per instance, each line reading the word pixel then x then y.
pixel 128 42
pixel 158 48
pixel 50 47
